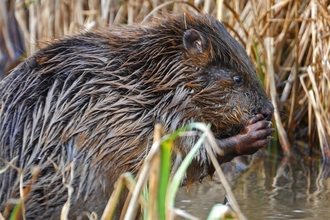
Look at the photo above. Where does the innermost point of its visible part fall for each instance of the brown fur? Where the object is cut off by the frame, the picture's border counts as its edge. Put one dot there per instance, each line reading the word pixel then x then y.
pixel 94 99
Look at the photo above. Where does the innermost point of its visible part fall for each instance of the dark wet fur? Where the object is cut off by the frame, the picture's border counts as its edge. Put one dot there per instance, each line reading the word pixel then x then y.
pixel 95 97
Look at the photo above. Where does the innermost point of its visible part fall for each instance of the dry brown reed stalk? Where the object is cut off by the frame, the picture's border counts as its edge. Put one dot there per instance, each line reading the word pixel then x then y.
pixel 299 30
pixel 11 45
pixel 154 176
pixel 163 5
pixel 68 185
pixel 8 165
pixel 270 69
pixel 124 180
pixel 4 32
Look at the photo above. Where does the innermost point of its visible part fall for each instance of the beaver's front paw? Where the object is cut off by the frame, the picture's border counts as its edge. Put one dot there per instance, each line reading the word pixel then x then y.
pixel 256 135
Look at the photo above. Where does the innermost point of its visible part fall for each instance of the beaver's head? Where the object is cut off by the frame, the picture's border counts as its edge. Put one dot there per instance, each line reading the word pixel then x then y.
pixel 217 76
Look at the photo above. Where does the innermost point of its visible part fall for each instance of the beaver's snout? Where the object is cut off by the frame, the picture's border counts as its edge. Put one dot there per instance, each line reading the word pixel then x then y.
pixel 267 111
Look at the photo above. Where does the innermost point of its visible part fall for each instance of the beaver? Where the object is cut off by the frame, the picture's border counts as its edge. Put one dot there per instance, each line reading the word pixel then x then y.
pixel 92 100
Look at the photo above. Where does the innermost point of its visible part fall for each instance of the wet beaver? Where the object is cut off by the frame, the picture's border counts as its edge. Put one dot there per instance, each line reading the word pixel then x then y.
pixel 94 99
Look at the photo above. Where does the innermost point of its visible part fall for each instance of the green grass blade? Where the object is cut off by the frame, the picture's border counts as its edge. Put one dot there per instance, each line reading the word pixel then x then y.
pixel 165 169
pixel 184 165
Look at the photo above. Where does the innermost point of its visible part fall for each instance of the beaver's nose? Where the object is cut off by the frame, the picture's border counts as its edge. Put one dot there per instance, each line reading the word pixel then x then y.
pixel 267 111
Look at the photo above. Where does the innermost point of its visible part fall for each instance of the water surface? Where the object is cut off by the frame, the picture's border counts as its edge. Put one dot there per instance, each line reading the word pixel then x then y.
pixel 271 188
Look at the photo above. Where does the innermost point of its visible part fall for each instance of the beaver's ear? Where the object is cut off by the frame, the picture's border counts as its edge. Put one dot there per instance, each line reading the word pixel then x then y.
pixel 193 41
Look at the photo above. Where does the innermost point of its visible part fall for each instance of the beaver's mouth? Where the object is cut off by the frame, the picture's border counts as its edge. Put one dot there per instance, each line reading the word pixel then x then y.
pixel 230 130
pixel 266 110
pixel 268 116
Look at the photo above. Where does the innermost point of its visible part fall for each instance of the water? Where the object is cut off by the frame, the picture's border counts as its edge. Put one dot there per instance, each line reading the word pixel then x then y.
pixel 271 188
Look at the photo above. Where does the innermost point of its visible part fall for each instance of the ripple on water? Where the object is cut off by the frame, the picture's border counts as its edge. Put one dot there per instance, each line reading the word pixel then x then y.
pixel 269 189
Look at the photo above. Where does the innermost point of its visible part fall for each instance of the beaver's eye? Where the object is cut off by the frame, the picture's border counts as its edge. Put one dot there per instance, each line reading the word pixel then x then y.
pixel 238 80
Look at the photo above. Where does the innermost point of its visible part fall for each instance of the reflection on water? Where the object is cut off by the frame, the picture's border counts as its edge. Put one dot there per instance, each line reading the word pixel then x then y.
pixel 269 189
